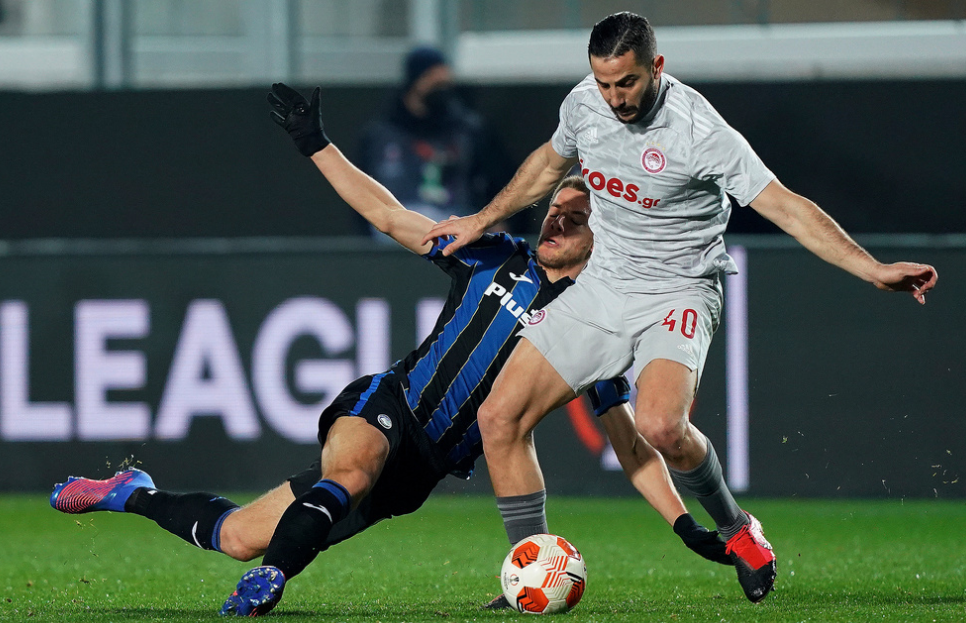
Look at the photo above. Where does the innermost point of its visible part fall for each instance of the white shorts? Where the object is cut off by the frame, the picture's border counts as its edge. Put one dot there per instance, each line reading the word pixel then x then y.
pixel 593 332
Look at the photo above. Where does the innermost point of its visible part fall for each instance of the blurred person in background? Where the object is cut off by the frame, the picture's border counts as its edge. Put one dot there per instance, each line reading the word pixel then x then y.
pixel 436 156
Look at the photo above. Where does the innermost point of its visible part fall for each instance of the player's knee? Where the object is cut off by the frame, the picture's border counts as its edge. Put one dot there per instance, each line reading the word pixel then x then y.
pixel 238 542
pixel 496 425
pixel 665 434
pixel 358 474
pixel 357 482
pixel 486 417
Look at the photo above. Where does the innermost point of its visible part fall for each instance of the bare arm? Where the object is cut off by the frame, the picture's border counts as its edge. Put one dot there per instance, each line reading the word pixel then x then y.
pixel 536 177
pixel 642 464
pixel 373 201
pixel 302 119
pixel 821 235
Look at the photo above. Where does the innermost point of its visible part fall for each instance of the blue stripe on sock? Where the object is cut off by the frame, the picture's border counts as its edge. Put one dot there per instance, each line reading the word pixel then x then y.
pixel 335 489
pixel 216 533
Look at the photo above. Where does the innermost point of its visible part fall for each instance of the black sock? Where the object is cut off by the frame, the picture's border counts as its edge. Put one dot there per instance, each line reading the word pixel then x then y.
pixel 523 515
pixel 195 517
pixel 304 527
pixel 707 484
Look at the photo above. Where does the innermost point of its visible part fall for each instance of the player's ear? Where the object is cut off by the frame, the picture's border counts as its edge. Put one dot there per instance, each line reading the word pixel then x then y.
pixel 657 66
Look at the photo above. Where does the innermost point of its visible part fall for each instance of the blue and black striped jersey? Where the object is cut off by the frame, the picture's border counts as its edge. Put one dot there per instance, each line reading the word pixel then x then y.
pixel 496 284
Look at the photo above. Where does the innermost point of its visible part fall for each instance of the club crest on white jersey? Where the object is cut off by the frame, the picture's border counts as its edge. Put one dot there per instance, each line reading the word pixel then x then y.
pixel 659 186
pixel 653 160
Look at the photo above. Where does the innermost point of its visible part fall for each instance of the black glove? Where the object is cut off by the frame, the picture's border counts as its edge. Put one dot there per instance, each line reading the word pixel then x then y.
pixel 301 119
pixel 700 540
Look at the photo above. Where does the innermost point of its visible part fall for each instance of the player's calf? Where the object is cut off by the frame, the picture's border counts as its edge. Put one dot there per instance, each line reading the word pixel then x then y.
pixel 239 541
pixel 195 517
pixel 302 531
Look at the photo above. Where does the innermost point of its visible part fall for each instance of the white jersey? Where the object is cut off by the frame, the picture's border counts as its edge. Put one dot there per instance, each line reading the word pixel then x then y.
pixel 659 186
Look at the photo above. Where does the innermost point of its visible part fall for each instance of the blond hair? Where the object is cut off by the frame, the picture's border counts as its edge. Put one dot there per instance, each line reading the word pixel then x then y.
pixel 571 181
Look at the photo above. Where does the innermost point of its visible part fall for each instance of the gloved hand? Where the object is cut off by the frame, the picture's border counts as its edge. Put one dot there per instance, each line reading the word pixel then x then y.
pixel 700 540
pixel 301 119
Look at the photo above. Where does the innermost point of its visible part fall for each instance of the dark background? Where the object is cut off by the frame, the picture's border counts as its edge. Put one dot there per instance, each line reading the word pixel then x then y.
pixel 879 156
pixel 853 392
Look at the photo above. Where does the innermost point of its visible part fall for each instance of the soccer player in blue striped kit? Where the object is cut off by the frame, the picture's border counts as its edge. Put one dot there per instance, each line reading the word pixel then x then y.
pixel 388 439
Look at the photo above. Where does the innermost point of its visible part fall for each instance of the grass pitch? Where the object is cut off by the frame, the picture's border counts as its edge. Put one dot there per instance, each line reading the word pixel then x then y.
pixel 837 561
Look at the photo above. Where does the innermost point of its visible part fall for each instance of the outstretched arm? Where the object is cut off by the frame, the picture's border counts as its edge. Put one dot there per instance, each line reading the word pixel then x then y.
pixel 373 201
pixel 645 468
pixel 821 235
pixel 642 464
pixel 303 121
pixel 536 177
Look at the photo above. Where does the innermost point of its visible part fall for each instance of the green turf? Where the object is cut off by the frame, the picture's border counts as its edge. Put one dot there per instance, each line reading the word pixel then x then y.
pixel 837 561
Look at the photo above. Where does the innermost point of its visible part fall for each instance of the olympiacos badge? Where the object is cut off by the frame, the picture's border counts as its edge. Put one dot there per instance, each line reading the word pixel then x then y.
pixel 653 160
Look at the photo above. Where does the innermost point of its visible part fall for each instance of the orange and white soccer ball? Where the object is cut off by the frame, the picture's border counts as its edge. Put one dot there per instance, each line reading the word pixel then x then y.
pixel 544 574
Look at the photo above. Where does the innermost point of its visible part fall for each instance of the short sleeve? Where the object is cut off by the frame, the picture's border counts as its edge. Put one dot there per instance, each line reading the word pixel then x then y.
pixel 722 155
pixel 490 248
pixel 564 139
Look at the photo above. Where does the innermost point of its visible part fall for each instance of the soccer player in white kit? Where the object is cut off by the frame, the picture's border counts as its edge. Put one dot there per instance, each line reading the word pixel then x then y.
pixel 661 163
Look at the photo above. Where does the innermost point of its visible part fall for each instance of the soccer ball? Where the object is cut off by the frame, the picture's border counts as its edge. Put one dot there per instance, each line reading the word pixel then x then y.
pixel 544 574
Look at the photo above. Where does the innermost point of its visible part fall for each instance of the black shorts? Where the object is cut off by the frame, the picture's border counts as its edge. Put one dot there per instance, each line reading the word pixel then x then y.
pixel 412 469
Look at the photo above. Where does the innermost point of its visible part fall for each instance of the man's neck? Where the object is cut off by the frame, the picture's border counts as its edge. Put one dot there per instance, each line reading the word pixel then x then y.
pixel 652 110
pixel 556 274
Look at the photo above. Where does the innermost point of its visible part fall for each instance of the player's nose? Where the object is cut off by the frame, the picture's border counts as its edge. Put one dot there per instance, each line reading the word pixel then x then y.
pixel 558 223
pixel 552 227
